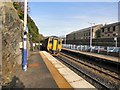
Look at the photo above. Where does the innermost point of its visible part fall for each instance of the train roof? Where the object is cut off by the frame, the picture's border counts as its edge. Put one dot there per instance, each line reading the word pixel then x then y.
pixel 54 36
pixel 51 37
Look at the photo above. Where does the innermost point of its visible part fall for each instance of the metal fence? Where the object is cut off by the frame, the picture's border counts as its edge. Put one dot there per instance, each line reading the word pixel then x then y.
pixel 112 51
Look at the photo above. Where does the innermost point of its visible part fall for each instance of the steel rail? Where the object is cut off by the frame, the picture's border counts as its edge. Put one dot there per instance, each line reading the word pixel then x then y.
pixel 90 66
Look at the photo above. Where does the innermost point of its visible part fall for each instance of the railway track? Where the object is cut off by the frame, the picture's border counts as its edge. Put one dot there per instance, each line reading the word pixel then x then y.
pixel 96 75
pixel 103 63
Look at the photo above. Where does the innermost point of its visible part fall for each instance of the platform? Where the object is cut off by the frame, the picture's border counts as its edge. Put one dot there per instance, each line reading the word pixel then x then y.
pixel 36 76
pixel 110 58
pixel 44 71
pixel 75 81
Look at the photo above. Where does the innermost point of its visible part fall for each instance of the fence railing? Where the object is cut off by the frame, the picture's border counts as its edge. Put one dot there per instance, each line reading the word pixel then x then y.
pixel 113 51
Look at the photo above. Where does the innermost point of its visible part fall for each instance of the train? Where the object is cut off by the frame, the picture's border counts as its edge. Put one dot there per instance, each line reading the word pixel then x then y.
pixel 52 44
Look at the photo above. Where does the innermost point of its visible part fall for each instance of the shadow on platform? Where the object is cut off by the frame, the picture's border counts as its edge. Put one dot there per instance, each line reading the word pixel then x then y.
pixel 15 83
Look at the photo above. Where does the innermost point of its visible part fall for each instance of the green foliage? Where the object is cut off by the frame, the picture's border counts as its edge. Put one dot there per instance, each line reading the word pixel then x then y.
pixel 20 10
pixel 32 28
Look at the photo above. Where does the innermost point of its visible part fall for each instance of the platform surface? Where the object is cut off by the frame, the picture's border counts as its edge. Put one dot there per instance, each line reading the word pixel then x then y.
pixel 111 58
pixel 76 81
pixel 37 75
pixel 44 71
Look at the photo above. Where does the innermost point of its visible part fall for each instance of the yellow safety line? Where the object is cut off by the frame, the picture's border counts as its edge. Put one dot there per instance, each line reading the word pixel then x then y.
pixel 59 79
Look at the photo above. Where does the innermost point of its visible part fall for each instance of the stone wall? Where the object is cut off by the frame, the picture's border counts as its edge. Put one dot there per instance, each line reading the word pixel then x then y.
pixel 12 32
pixel 0 43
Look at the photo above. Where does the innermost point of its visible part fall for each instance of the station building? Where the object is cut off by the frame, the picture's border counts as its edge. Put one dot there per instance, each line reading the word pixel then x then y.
pixel 102 35
pixel 84 33
pixel 110 30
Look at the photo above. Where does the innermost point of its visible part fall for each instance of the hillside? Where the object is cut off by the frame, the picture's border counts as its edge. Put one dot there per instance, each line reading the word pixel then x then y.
pixel 32 28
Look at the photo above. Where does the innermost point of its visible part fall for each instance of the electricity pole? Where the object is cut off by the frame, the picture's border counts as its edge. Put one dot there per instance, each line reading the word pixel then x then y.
pixel 91 36
pixel 115 38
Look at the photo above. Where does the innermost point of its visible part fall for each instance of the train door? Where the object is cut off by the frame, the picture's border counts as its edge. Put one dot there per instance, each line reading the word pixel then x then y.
pixel 50 43
pixel 59 44
pixel 55 44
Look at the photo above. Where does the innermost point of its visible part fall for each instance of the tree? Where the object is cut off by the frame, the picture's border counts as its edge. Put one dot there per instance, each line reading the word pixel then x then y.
pixel 32 28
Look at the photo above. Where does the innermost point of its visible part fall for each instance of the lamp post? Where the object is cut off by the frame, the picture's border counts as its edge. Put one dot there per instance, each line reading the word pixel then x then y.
pixel 24 60
pixel 115 38
pixel 91 36
pixel 65 39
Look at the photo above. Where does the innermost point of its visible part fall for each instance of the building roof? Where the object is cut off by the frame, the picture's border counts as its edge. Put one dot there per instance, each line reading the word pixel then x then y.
pixel 112 24
pixel 85 29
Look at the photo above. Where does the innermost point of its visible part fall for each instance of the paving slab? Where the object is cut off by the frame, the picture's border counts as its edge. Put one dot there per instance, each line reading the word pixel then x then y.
pixel 70 76
pixel 37 75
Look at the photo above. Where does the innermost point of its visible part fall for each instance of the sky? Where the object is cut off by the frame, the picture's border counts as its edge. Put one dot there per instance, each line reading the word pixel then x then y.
pixel 61 18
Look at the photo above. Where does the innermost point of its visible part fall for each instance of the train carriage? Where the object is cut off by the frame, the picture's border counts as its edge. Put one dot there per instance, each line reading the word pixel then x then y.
pixel 52 44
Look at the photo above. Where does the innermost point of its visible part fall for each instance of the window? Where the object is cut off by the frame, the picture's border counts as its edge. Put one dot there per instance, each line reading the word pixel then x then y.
pixel 108 35
pixel 108 29
pixel 102 35
pixel 114 34
pixel 84 34
pixel 98 36
pixel 114 28
pixel 50 42
pixel 74 38
pixel 103 30
pixel 111 28
pixel 58 42
pixel 92 29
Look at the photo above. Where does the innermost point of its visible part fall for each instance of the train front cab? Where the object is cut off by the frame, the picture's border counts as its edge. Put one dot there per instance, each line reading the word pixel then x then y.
pixel 55 45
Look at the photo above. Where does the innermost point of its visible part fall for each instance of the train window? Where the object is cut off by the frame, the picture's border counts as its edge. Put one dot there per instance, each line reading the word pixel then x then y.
pixel 58 42
pixel 50 41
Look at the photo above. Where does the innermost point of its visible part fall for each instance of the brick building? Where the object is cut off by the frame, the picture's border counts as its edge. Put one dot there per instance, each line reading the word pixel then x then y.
pixel 101 35
pixel 110 30
pixel 84 33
